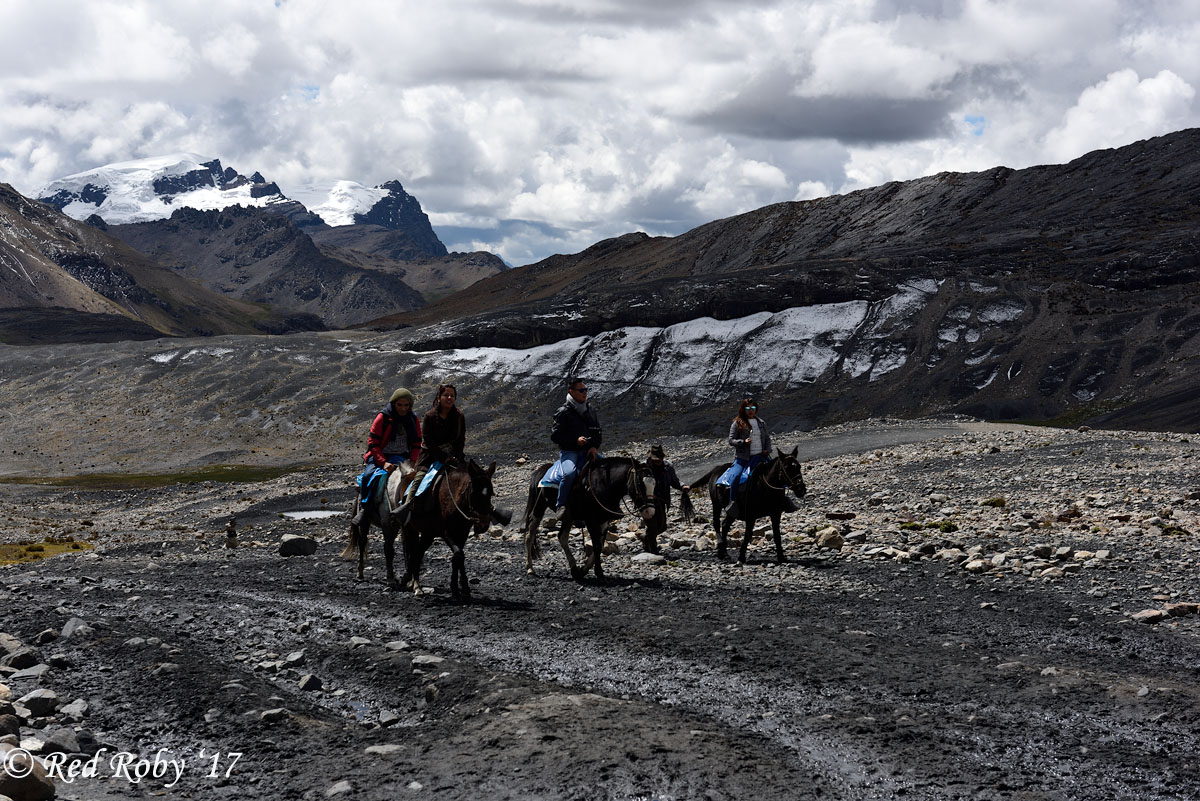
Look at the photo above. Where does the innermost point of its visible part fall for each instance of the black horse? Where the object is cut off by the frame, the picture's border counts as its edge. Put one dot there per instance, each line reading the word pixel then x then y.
pixel 459 501
pixel 763 495
pixel 596 500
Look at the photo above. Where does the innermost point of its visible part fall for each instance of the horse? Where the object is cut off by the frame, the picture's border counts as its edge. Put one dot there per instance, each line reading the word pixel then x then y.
pixel 763 495
pixel 459 501
pixel 378 511
pixel 594 503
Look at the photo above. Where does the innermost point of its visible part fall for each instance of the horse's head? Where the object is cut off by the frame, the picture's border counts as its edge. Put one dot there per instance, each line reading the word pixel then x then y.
pixel 790 472
pixel 639 474
pixel 481 494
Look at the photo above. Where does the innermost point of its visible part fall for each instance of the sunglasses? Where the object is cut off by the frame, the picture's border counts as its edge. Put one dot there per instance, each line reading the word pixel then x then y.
pixel 752 408
pixel 580 390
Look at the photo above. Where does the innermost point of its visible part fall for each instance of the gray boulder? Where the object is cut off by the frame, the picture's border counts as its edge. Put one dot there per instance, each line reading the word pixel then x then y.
pixel 296 545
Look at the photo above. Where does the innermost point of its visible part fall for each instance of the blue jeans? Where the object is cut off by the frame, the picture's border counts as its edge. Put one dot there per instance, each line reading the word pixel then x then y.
pixel 569 462
pixel 739 473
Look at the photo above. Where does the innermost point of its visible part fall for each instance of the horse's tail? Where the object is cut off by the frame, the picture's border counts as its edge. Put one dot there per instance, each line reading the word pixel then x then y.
pixel 686 509
pixel 712 475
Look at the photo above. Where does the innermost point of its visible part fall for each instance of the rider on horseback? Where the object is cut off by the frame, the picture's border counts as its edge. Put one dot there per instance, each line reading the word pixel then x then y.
pixel 576 431
pixel 445 436
pixel 395 437
pixel 751 443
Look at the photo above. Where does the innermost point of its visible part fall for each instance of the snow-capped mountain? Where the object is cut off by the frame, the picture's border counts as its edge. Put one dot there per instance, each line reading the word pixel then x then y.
pixel 153 188
pixel 340 203
pixel 341 250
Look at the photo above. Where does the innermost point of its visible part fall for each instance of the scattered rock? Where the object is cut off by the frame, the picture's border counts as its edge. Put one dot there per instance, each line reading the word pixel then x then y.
pixel 297 545
pixel 24 778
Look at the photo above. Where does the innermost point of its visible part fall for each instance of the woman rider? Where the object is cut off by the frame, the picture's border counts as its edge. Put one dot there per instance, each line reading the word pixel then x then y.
pixel 444 432
pixel 751 443
pixel 395 438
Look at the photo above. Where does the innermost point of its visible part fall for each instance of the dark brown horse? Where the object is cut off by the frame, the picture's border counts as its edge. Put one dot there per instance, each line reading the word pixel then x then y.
pixel 596 500
pixel 458 502
pixel 763 495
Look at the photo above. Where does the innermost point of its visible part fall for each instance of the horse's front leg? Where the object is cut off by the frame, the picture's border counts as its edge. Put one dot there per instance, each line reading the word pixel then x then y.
pixel 564 539
pixel 746 540
pixel 599 534
pixel 389 555
pixel 723 539
pixel 779 557
pixel 459 588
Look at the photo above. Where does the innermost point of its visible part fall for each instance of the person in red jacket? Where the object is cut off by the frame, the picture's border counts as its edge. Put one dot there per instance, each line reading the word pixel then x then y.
pixel 395 438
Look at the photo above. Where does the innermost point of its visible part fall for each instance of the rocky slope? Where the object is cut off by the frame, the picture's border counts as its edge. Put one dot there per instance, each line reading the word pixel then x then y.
pixel 63 281
pixel 1066 289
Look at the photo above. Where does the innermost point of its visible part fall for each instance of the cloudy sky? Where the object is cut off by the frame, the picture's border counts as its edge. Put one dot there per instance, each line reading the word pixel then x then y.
pixel 532 127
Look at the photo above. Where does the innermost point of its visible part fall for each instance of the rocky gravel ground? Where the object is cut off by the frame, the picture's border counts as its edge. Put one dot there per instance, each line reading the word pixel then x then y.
pixel 966 611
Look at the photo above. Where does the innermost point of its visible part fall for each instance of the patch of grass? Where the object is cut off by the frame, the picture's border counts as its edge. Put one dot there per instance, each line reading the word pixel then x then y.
pixel 30 552
pixel 231 473
pixel 999 502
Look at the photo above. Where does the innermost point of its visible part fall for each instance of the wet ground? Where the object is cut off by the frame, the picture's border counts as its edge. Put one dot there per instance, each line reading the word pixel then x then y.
pixel 827 677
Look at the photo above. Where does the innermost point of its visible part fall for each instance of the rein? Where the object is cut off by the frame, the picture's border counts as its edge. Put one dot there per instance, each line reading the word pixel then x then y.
pixel 629 483
pixel 766 481
pixel 454 502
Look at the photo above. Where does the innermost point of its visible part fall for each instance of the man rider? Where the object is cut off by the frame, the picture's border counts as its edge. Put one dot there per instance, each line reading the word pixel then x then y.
pixel 576 431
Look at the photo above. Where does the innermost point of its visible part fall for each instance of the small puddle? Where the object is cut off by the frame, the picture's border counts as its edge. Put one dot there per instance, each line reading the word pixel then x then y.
pixel 312 514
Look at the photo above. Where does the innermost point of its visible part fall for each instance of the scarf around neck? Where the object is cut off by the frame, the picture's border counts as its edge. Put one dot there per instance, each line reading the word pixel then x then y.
pixel 576 405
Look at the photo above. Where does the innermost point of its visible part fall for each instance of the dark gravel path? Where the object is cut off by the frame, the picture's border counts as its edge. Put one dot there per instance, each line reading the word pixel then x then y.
pixel 827 677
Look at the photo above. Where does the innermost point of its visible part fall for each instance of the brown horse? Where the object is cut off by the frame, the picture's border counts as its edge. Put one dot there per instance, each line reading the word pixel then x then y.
pixel 594 503
pixel 459 501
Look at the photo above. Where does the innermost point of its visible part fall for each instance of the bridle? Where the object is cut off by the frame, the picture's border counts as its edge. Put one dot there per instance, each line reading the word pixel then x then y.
pixel 470 503
pixel 789 482
pixel 633 488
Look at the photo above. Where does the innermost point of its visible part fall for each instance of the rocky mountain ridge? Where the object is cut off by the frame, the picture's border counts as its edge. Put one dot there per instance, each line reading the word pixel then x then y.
pixel 63 281
pixel 1055 290
pixel 358 254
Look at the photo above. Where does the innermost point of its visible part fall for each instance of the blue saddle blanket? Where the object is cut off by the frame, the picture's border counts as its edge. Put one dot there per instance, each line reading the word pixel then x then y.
pixel 430 477
pixel 554 475
pixel 373 483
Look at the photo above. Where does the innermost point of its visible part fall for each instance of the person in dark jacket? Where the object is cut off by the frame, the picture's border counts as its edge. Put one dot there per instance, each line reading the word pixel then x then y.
pixel 665 480
pixel 444 435
pixel 576 431
pixel 394 438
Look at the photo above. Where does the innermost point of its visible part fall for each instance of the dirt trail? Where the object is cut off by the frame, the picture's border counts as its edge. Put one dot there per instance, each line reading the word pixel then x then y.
pixel 830 676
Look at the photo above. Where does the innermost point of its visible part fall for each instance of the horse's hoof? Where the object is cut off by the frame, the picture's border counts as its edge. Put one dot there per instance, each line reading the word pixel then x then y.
pixel 723 555
pixel 394 586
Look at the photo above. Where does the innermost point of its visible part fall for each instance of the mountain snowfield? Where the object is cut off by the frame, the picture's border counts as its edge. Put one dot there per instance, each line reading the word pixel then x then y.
pixel 125 192
pixel 698 362
pixel 707 358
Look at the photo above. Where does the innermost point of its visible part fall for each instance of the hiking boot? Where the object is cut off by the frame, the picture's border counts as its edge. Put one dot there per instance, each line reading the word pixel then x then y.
pixel 359 514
